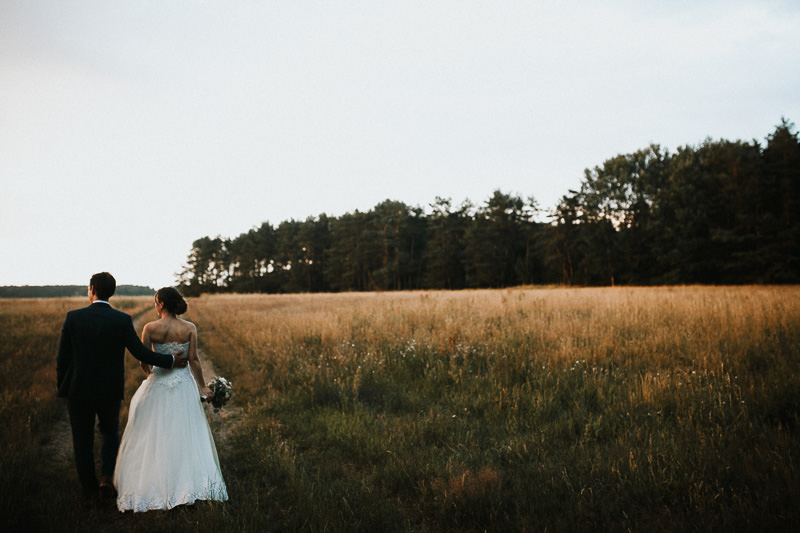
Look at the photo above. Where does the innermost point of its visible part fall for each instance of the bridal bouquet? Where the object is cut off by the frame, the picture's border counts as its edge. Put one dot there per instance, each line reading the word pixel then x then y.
pixel 222 390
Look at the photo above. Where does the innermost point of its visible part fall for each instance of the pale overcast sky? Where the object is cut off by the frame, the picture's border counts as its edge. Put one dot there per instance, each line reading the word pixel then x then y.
pixel 130 129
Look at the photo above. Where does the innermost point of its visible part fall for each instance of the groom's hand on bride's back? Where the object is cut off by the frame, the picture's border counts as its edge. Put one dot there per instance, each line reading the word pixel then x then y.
pixel 180 360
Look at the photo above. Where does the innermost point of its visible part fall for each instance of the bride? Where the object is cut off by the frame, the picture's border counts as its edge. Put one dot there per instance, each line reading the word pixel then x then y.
pixel 167 456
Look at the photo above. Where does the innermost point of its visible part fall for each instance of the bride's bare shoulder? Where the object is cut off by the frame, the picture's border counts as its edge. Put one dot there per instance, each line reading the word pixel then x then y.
pixel 189 326
pixel 153 326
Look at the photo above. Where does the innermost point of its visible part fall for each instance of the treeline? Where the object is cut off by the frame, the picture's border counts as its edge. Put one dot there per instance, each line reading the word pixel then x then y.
pixel 64 291
pixel 721 212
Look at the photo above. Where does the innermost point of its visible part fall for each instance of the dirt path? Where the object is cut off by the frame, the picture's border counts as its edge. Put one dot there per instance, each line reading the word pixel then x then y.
pixel 59 445
pixel 226 419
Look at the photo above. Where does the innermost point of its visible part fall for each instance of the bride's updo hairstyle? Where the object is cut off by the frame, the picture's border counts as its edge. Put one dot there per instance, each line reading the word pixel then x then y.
pixel 172 300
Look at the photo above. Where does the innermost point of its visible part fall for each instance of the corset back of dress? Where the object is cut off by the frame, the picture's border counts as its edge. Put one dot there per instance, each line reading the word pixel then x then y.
pixel 170 376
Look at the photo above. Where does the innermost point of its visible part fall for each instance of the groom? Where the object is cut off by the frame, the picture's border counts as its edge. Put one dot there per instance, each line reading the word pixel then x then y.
pixel 91 375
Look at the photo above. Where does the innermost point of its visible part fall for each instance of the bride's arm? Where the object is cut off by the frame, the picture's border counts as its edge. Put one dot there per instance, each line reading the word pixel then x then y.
pixel 194 364
pixel 146 341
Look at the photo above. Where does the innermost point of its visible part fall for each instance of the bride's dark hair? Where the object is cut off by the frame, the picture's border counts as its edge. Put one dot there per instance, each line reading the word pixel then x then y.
pixel 172 300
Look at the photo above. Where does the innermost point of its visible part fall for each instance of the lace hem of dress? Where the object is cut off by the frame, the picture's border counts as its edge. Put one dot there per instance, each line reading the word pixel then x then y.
pixel 130 502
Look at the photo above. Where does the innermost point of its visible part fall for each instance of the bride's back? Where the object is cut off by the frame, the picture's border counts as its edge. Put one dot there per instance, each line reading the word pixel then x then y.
pixel 168 329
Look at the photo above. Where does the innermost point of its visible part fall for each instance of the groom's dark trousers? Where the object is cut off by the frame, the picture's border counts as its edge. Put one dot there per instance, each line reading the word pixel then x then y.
pixel 91 374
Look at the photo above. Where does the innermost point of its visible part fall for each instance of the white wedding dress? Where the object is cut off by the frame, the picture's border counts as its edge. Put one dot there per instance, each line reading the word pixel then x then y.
pixel 167 456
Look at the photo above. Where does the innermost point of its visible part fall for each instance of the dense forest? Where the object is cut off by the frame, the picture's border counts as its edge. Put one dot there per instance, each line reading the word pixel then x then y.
pixel 722 213
pixel 63 291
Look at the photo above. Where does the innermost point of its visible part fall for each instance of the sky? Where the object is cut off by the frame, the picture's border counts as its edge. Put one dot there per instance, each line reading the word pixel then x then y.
pixel 130 129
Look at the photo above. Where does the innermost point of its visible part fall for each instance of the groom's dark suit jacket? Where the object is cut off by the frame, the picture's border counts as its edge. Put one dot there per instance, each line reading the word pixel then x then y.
pixel 91 354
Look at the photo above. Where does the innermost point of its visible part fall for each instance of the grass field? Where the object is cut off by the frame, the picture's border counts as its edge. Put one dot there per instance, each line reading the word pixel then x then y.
pixel 666 409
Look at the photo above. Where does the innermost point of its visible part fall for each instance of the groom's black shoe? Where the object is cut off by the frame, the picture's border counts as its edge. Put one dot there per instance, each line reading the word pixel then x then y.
pixel 107 489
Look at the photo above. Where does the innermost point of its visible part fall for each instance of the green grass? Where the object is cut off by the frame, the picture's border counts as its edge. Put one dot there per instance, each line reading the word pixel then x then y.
pixel 463 444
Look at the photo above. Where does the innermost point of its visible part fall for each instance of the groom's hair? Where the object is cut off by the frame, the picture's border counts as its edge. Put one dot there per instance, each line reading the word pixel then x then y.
pixel 104 285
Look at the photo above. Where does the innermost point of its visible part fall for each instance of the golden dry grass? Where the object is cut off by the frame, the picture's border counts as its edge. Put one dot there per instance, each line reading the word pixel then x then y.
pixel 652 387
pixel 664 331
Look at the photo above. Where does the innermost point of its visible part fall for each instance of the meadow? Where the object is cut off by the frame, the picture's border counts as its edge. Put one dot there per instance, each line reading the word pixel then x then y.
pixel 527 409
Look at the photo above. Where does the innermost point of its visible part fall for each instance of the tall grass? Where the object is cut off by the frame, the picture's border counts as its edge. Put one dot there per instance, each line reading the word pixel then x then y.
pixel 664 408
pixel 527 409
pixel 29 330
